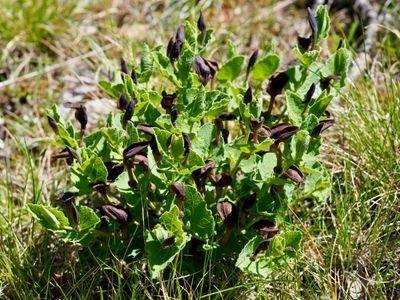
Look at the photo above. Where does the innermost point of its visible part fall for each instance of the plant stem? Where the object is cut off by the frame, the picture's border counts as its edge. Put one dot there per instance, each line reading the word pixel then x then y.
pixel 271 104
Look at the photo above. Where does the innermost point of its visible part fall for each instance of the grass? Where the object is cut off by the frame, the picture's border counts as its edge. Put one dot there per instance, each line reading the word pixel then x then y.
pixel 351 243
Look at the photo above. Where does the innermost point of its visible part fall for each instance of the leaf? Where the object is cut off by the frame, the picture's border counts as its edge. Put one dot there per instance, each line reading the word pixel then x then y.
pixel 338 64
pixel 165 67
pixel 197 217
pixel 146 64
pixel 323 22
pixel 231 69
pixel 88 218
pixel 299 145
pixel 95 169
pixel 266 166
pixel 295 108
pixel 162 137
pixel 261 266
pixel 306 58
pixel 158 257
pixel 114 136
pixel 320 104
pixel 203 141
pixel 108 88
pixel 49 217
pixel 185 63
pixel 265 67
pixel 251 148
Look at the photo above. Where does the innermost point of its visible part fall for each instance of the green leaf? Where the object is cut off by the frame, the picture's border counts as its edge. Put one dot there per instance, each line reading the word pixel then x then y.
pixel 320 104
pixel 197 217
pixel 88 218
pixel 251 148
pixel 146 64
pixel 265 67
pixel 299 145
pixel 323 23
pixel 338 64
pixel 95 169
pixel 203 141
pixel 162 137
pixel 108 88
pixel 114 136
pixel 261 266
pixel 185 63
pixel 165 67
pixel 231 69
pixel 295 108
pixel 49 217
pixel 159 258
pixel 306 58
pixel 266 166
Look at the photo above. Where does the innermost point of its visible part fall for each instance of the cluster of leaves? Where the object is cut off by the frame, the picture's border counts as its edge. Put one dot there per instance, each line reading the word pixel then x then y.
pixel 206 165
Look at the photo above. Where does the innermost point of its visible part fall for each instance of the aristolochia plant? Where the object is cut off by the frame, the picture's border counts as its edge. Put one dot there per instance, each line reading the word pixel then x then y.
pixel 201 161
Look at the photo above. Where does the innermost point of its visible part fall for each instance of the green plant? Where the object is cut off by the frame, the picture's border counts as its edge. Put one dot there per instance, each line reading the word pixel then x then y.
pixel 199 167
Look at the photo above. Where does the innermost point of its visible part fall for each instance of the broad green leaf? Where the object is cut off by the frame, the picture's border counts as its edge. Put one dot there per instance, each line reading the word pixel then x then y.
pixel 203 141
pixel 299 145
pixel 320 104
pixel 95 169
pixel 108 88
pixel 49 217
pixel 251 148
pixel 146 64
pixel 266 166
pixel 162 137
pixel 129 85
pixel 338 64
pixel 114 136
pixel 323 23
pixel 88 218
pixel 261 266
pixel 306 58
pixel 159 258
pixel 197 217
pixel 185 63
pixel 265 67
pixel 295 108
pixel 165 67
pixel 231 69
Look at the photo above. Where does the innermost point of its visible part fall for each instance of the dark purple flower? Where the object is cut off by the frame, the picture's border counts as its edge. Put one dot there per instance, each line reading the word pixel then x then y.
pixel 266 228
pixel 116 213
pixel 124 66
pixel 228 213
pixel 304 43
pixel 310 93
pixel 168 242
pixel 175 44
pixel 252 61
pixel 282 132
pixel 201 25
pixel 134 149
pixel 322 126
pixel 134 76
pixel 260 248
pixel 205 68
pixel 122 101
pixel 277 83
pixel 53 124
pixel 313 25
pixel 249 201
pixel 248 96
pixel 221 180
pixel 130 109
pixel 294 174
pixel 179 190
pixel 145 128
pixel 227 116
